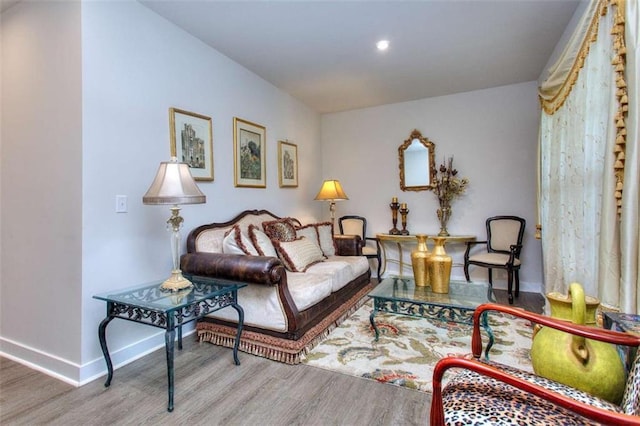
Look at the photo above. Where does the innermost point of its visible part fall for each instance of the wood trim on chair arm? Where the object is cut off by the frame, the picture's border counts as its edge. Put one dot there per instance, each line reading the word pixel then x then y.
pixel 586 410
pixel 514 252
pixel 589 332
pixel 377 241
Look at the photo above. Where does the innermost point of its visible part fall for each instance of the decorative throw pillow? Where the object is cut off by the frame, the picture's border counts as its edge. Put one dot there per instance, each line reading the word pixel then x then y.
pixel 261 242
pixel 298 255
pixel 325 237
pixel 235 242
pixel 281 229
pixel 308 231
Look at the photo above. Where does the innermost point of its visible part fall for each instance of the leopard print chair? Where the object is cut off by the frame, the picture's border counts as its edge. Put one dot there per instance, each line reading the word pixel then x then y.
pixel 481 392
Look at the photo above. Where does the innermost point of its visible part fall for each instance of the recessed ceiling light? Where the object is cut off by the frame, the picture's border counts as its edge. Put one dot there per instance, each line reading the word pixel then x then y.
pixel 382 44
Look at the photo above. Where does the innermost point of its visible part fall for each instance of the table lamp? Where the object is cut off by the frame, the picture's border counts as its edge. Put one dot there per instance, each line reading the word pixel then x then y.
pixel 174 185
pixel 331 191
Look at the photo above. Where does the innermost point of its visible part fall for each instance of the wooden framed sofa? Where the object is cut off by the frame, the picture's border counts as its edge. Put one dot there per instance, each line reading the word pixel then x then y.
pixel 300 286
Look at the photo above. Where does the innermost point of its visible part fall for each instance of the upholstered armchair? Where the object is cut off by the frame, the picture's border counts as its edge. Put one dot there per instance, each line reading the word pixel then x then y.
pixel 357 225
pixel 484 392
pixel 501 250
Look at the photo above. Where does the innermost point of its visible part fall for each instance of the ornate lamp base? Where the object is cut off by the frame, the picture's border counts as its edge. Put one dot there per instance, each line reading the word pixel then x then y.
pixel 176 282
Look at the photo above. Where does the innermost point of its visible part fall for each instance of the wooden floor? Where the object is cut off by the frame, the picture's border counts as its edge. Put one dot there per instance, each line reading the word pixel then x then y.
pixel 532 302
pixel 211 390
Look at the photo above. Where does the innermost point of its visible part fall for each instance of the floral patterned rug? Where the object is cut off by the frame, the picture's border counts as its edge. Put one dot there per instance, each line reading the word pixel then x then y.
pixel 409 347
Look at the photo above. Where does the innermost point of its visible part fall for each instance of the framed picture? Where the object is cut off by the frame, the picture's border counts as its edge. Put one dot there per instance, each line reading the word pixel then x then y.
pixel 287 164
pixel 249 153
pixel 192 142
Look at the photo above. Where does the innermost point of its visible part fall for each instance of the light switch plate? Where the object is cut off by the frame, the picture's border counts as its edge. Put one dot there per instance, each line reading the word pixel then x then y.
pixel 121 203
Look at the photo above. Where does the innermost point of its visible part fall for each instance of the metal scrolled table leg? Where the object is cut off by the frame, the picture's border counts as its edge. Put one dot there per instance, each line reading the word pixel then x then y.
pixel 485 324
pixel 240 311
pixel 169 337
pixel 102 329
pixel 373 324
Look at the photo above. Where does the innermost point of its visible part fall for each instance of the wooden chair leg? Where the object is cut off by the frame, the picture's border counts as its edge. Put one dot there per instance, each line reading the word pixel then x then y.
pixel 466 271
pixel 517 277
pixel 510 285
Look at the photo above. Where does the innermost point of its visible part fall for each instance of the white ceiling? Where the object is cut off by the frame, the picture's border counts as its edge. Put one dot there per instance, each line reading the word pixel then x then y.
pixel 323 52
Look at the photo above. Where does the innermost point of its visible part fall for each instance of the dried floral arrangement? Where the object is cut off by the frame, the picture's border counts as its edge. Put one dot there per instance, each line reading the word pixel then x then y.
pixel 447 186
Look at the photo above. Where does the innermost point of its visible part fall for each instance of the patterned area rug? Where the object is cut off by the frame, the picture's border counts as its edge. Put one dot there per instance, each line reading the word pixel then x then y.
pixel 409 347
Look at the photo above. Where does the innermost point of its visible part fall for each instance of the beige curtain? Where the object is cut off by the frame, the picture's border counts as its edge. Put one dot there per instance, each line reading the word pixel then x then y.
pixel 562 75
pixel 588 215
pixel 627 296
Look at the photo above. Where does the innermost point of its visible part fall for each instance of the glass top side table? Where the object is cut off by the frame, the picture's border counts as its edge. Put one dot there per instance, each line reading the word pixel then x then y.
pixel 149 305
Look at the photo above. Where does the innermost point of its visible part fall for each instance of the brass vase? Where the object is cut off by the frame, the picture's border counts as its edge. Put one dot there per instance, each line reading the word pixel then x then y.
pixel 419 258
pixel 439 267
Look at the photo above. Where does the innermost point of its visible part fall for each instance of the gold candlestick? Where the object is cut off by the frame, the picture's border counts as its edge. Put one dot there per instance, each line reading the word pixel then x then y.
pixel 404 211
pixel 394 216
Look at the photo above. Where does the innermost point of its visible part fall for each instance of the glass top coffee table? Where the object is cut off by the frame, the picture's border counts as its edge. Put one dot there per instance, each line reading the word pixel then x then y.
pixel 399 295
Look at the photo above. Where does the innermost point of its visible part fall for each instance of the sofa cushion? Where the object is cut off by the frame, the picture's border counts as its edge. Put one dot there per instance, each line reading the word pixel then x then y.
pixel 342 269
pixel 281 229
pixel 340 272
pixel 308 289
pixel 235 242
pixel 261 242
pixel 325 237
pixel 298 255
pixel 358 264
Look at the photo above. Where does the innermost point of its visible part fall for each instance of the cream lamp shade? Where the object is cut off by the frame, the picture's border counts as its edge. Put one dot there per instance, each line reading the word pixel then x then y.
pixel 331 191
pixel 174 185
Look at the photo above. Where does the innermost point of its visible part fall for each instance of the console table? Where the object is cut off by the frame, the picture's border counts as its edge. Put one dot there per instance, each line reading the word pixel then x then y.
pixel 169 310
pixel 400 240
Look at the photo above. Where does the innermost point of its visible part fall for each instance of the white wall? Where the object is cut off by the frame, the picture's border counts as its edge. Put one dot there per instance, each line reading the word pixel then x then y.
pixel 126 97
pixel 86 92
pixel 97 127
pixel 492 135
pixel 40 165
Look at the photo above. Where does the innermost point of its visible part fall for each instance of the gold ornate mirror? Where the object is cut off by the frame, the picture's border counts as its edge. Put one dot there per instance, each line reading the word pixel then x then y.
pixel 417 163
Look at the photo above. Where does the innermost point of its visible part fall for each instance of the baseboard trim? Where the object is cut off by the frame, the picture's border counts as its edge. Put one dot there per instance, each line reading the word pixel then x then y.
pixel 76 374
pixel 41 361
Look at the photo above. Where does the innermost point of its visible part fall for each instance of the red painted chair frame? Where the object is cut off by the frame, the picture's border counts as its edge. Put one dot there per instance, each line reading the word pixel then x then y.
pixel 597 414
